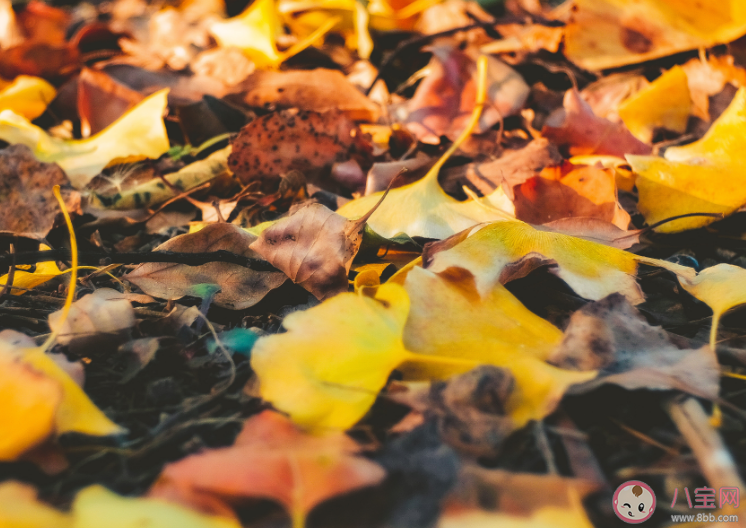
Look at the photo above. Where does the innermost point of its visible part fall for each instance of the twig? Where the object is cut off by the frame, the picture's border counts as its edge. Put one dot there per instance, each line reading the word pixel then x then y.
pixel 8 286
pixel 104 259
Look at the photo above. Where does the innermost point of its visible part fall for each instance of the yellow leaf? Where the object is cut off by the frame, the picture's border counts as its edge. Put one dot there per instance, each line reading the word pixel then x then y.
pixel 449 318
pixel 721 287
pixel 611 33
pixel 139 133
pixel 19 508
pixel 97 507
pixel 327 369
pixel 502 251
pixel 703 177
pixel 546 517
pixel 666 103
pixel 76 412
pixel 27 96
pixel 423 208
pixel 254 32
pixel 45 271
pixel 30 402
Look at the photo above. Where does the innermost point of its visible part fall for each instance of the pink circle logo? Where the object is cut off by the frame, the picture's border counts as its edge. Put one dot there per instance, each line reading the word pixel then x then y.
pixel 634 502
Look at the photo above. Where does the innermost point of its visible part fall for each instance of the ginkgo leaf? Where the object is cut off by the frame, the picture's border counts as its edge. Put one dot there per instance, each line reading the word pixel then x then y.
pixel 27 96
pixel 30 402
pixel 703 177
pixel 449 318
pixel 254 32
pixel 138 133
pixel 503 251
pixel 25 280
pixel 271 458
pixel 423 208
pixel 721 287
pixel 19 508
pixel 319 390
pixel 610 33
pixel 95 506
pixel 666 103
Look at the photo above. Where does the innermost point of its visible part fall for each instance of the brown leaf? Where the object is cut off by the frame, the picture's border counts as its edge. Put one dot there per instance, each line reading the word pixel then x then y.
pixel 272 459
pixel 512 168
pixel 29 207
pixel 584 132
pixel 319 90
pixel 444 100
pixel 102 100
pixel 240 287
pixel 314 246
pixel 40 59
pixel 595 230
pixel 567 191
pixel 614 337
pixel 306 141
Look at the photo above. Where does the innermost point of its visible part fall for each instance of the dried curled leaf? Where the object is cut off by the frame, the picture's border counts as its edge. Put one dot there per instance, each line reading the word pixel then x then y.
pixel 138 133
pixel 703 177
pixel 240 287
pixel 271 458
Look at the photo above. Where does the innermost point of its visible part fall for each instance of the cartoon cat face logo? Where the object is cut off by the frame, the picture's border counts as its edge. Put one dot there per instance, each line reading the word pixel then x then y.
pixel 634 502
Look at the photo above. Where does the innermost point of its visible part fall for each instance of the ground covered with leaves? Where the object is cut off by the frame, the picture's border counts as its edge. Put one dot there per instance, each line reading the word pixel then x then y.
pixel 394 263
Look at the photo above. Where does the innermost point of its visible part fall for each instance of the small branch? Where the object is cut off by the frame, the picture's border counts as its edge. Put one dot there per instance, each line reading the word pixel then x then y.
pixel 104 259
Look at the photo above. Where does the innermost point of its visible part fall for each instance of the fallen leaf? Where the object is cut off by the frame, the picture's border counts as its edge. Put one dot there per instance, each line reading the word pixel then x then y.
pixel 140 132
pixel 271 458
pixel 104 311
pixel 449 318
pixel 282 141
pixel 241 287
pixel 319 90
pixel 314 246
pixel 29 208
pixel 30 405
pixel 606 94
pixel 102 100
pixel 703 177
pixel 721 288
pixel 570 191
pixel 594 230
pixel 576 126
pixel 20 508
pixel 254 32
pixel 27 96
pixel 382 174
pixel 612 337
pixel 25 280
pixel 95 506
pixel 611 33
pixel 445 99
pixel 10 31
pixel 512 168
pixel 666 104
pixel 504 251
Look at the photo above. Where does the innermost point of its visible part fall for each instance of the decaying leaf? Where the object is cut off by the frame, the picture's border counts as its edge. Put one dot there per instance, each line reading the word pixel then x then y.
pixel 240 287
pixel 611 336
pixel 27 96
pixel 104 311
pixel 139 133
pixel 29 208
pixel 570 191
pixel 305 141
pixel 610 33
pixel 666 103
pixel 314 246
pixel 576 126
pixel 504 251
pixel 271 458
pixel 319 90
pixel 102 100
pixel 703 177
pixel 445 100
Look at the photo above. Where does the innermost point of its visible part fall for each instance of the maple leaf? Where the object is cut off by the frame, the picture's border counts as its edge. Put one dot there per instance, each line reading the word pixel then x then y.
pixel 273 459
